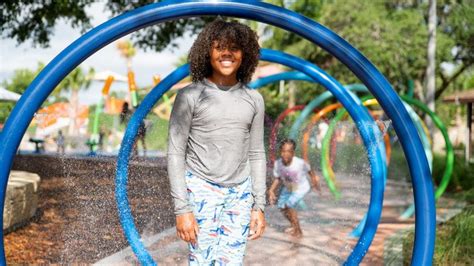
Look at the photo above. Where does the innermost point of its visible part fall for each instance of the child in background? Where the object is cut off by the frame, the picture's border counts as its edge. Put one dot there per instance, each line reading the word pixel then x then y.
pixel 60 142
pixel 293 172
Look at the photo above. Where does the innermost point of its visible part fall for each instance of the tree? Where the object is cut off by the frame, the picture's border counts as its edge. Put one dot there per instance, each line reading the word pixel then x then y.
pixel 431 64
pixel 127 51
pixel 18 83
pixel 73 82
pixel 456 22
pixel 35 20
pixel 392 34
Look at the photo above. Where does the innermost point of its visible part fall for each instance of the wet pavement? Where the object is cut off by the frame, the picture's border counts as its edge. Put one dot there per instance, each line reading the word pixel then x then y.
pixel 326 224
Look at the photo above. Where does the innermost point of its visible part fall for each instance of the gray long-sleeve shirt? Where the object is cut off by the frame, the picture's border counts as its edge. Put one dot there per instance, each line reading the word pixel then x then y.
pixel 218 136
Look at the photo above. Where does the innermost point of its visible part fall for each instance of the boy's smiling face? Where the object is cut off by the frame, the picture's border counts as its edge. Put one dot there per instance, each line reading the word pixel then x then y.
pixel 225 62
pixel 287 152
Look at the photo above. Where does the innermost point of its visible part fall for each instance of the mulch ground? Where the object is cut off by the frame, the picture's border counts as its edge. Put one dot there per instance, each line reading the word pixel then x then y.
pixel 77 221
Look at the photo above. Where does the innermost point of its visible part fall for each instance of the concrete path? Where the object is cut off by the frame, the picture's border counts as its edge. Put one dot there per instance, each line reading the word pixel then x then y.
pixel 326 224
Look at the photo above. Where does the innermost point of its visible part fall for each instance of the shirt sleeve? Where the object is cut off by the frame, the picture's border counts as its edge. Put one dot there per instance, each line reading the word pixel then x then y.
pixel 306 167
pixel 257 158
pixel 276 172
pixel 178 133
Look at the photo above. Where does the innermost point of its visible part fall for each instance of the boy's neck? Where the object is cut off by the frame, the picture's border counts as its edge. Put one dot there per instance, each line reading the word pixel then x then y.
pixel 289 162
pixel 223 80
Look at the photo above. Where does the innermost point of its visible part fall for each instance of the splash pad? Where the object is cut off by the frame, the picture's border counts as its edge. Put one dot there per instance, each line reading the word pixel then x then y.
pixel 100 36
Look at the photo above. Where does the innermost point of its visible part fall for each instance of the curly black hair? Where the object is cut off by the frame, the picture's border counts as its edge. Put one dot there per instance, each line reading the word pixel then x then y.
pixel 226 34
pixel 288 141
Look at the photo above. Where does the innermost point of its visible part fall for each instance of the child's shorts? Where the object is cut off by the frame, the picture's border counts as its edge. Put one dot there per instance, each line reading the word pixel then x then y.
pixel 223 216
pixel 292 199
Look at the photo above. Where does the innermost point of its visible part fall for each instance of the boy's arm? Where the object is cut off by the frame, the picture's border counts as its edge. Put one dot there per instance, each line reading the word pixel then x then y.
pixel 271 192
pixel 178 133
pixel 257 155
pixel 315 184
pixel 315 181
pixel 258 168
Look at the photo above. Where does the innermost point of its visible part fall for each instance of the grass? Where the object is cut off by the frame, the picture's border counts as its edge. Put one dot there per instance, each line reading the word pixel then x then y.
pixel 462 177
pixel 454 241
pixel 157 134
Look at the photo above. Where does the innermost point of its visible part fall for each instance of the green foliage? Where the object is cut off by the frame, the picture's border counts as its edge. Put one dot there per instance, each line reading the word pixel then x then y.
pixel 5 109
pixel 392 34
pixel 467 196
pixel 454 241
pixel 35 20
pixel 18 83
pixel 157 135
pixel 74 81
pixel 22 78
pixel 462 177
pixel 456 23
pixel 398 167
pixel 460 27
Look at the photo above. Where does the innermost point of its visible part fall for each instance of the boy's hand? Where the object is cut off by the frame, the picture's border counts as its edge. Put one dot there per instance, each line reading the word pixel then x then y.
pixel 257 224
pixel 315 183
pixel 272 197
pixel 187 228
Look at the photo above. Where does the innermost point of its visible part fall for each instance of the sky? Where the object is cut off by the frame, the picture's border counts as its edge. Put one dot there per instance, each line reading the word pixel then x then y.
pixel 145 64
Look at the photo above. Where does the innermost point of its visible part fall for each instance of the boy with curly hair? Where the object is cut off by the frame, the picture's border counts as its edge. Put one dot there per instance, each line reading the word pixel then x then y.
pixel 216 156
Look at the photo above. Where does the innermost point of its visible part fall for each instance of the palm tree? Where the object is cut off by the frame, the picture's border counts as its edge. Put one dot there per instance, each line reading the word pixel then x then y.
pixel 75 81
pixel 127 51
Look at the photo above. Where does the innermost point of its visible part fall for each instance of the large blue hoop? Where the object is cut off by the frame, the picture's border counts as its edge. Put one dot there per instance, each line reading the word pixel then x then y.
pixel 78 51
pixel 367 127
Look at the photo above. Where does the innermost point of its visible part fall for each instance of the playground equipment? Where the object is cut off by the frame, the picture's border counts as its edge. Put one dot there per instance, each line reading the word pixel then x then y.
pixel 327 169
pixel 317 102
pixel 327 172
pixel 94 139
pixel 163 110
pixel 117 27
pixel 132 87
pixel 360 115
pixel 274 131
pixel 329 176
pixel 449 162
pixel 320 79
pixel 55 116
pixel 295 75
pixel 419 124
pixel 356 88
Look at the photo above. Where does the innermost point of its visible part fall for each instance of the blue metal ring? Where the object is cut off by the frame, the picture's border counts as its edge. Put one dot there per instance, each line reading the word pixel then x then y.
pixel 296 75
pixel 100 36
pixel 360 116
